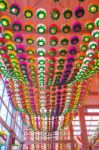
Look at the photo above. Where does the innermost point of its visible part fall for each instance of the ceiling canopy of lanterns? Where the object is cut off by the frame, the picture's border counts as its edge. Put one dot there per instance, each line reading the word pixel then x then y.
pixel 49 54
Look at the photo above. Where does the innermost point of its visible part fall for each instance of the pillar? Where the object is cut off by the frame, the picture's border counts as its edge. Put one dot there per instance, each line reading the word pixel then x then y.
pixel 72 137
pixel 83 129
pixel 9 141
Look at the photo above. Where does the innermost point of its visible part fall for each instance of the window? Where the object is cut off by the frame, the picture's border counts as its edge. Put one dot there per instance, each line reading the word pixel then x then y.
pixel 3 112
pixel 9 119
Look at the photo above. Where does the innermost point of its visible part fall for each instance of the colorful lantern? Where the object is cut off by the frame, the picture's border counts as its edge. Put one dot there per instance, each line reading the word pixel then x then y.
pixel 28 27
pixel 93 8
pixel 3 5
pixel 41 41
pixel 18 38
pixel 30 41
pixel 53 29
pixel 5 21
pixel 7 34
pixel 2 41
pixel 64 41
pixel 41 28
pixel 95 34
pixel 41 13
pixel 55 14
pixel 53 41
pixel 86 38
pixel 65 28
pixel 17 26
pixel 92 45
pixel 79 12
pixel 77 27
pixel 89 26
pixel 14 9
pixel 97 22
pixel 28 12
pixel 74 40
pixel 67 14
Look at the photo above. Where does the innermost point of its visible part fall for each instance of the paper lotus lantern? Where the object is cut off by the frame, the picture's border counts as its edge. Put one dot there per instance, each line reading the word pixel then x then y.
pixel 2 41
pixel 95 33
pixel 97 22
pixel 89 26
pixel 41 13
pixel 55 14
pixel 92 45
pixel 79 12
pixel 41 51
pixel 20 49
pixel 90 53
pixel 53 41
pixel 86 38
pixel 67 13
pixel 3 5
pixel 41 41
pixel 65 28
pixel 28 27
pixel 72 50
pixel 7 34
pixel 41 28
pixel 28 12
pixel 18 38
pixel 74 40
pixel 5 21
pixel 53 29
pixel 76 27
pixel 14 9
pixel 93 8
pixel 29 40
pixel 64 41
pixel 17 26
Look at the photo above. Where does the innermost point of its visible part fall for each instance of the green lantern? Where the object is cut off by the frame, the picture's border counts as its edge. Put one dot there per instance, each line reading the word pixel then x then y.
pixel 41 28
pixel 67 14
pixel 41 51
pixel 41 13
pixel 89 26
pixel 29 41
pixel 53 29
pixel 10 46
pixel 95 34
pixel 92 45
pixel 65 28
pixel 53 41
pixel 29 28
pixel 3 5
pixel 28 13
pixel 86 38
pixel 90 53
pixel 93 8
pixel 7 35
pixel 41 41
pixel 97 22
pixel 5 21
pixel 55 14
pixel 83 48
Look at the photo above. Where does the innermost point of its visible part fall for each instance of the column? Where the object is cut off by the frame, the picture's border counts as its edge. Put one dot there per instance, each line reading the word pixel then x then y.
pixel 83 129
pixel 9 142
pixel 72 137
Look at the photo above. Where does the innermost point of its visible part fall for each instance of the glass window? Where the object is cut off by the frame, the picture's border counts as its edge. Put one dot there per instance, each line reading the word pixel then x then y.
pixel 9 119
pixel 1 87
pixel 5 97
pixel 10 107
pixel 3 112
